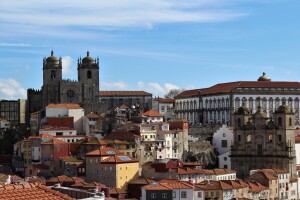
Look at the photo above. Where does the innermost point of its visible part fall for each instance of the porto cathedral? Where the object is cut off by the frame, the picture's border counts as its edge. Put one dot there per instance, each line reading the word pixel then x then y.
pixel 55 89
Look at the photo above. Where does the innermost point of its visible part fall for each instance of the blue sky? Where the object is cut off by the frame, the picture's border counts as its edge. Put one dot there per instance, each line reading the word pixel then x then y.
pixel 150 45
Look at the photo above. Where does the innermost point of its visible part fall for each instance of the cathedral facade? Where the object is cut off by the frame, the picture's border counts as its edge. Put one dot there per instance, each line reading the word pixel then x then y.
pixel 55 89
pixel 261 142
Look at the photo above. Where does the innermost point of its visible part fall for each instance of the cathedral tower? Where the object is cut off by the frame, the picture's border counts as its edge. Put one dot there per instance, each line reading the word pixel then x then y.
pixel 88 77
pixel 52 75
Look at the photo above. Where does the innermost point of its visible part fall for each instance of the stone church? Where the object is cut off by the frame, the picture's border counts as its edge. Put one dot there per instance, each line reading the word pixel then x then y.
pixel 261 142
pixel 55 89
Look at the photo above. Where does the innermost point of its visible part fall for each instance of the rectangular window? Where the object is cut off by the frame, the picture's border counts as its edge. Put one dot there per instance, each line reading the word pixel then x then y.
pixel 168 108
pixel 164 195
pixel 183 194
pixel 224 143
pixel 163 109
pixel 153 195
pixel 239 138
pixel 259 149
pixel 199 194
pixel 174 194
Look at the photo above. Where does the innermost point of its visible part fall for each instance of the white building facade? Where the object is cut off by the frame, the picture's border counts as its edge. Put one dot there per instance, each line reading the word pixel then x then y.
pixel 216 104
pixel 67 110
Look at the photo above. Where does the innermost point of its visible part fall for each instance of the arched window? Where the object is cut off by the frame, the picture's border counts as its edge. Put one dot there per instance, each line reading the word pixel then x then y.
pixel 239 122
pixel 53 75
pixel 270 137
pixel 89 74
pixel 279 121
pixel 249 138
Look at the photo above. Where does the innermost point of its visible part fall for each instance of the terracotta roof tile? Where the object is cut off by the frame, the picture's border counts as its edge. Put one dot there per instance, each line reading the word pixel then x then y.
pixel 56 128
pixel 214 185
pixel 151 113
pixel 157 186
pixel 123 93
pixel 164 100
pixel 92 116
pixel 260 175
pixel 220 171
pixel 106 151
pixel 43 135
pixel 30 191
pixel 256 187
pixel 124 136
pixel 230 86
pixel 123 107
pixel 55 141
pixel 65 105
pixel 119 159
pixel 297 139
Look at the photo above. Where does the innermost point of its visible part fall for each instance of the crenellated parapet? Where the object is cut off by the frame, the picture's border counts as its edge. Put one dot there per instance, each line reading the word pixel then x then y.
pixel 34 91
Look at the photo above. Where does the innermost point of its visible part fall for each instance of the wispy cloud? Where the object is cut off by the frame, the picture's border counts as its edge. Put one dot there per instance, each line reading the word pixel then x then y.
pixel 155 88
pixel 118 13
pixel 66 65
pixel 119 85
pixel 11 89
pixel 14 45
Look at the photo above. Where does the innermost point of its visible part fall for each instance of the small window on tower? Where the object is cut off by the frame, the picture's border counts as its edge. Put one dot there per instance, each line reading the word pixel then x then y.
pixel 89 74
pixel 52 74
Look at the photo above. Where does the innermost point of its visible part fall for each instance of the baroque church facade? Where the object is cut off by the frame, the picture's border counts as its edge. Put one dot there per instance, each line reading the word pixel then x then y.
pixel 55 89
pixel 261 142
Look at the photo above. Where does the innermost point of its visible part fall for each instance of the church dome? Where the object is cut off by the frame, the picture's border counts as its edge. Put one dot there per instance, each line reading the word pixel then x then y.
pixel 264 77
pixel 52 59
pixel 88 59
pixel 283 109
pixel 243 110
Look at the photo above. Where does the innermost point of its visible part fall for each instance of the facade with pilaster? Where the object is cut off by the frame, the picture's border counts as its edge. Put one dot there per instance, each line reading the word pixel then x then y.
pixel 216 104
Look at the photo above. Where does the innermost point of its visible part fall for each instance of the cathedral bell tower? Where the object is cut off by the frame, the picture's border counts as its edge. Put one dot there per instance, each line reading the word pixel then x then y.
pixel 52 75
pixel 88 77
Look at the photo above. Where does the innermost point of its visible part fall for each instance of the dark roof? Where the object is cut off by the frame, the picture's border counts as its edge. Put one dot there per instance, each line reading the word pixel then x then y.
pixel 123 93
pixel 228 87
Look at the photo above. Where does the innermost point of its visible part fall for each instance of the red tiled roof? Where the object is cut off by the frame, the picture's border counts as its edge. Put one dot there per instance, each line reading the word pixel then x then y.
pixel 256 187
pixel 230 86
pixel 30 191
pixel 164 100
pixel 214 185
pixel 106 151
pixel 124 136
pixel 260 175
pixel 157 186
pixel 3 120
pixel 56 128
pixel 176 184
pixel 64 178
pixel 92 116
pixel 123 93
pixel 151 113
pixel 123 107
pixel 188 93
pixel 65 105
pixel 119 159
pixel 223 171
pixel 297 139
pixel 43 135
pixel 276 171
pixel 55 141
